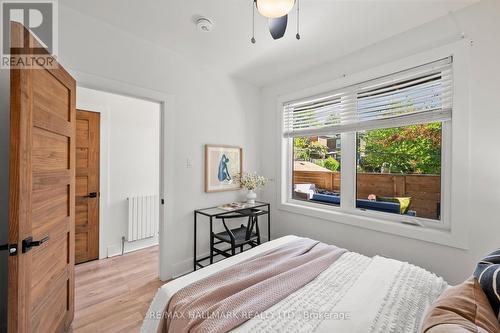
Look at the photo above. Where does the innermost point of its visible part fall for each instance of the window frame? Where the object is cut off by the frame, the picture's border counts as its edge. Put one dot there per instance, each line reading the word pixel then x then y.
pixel 451 230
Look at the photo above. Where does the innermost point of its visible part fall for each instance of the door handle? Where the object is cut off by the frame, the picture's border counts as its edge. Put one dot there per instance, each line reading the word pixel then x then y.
pixel 91 195
pixel 12 248
pixel 28 243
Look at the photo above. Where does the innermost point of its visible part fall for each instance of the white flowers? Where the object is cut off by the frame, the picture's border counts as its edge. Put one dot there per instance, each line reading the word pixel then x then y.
pixel 251 181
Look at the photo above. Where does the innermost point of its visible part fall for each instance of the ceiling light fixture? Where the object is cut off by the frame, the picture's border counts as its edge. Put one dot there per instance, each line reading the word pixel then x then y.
pixel 277 12
pixel 274 8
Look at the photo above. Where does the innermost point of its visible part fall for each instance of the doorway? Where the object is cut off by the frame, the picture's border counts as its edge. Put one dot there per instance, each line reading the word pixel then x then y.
pixel 166 104
pixel 129 170
pixel 87 186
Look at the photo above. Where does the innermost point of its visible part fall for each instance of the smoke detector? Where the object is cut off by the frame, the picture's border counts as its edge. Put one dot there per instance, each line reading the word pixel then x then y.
pixel 204 24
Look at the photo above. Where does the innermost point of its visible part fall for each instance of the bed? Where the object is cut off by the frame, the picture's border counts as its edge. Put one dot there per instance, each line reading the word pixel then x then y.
pixel 355 294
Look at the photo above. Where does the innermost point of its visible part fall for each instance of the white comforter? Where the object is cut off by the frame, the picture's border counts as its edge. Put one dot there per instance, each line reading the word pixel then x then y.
pixel 355 294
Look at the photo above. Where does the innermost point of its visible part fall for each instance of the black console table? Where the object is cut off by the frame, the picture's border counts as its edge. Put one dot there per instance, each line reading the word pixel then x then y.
pixel 215 212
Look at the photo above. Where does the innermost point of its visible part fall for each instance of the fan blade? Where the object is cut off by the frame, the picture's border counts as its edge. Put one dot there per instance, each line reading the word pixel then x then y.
pixel 277 26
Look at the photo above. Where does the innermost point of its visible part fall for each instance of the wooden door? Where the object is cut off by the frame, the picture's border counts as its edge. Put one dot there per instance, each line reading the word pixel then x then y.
pixel 42 192
pixel 87 186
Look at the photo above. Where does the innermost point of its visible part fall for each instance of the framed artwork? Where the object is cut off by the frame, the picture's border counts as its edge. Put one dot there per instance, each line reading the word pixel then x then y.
pixel 222 163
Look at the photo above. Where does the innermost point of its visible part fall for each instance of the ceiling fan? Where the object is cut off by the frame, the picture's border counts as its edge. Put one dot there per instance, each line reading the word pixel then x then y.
pixel 277 12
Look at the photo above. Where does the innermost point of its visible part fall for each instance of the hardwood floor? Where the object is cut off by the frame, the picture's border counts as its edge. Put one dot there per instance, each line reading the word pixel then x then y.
pixel 113 295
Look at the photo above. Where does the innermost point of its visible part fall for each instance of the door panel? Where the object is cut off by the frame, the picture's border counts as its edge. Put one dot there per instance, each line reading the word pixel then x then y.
pixel 42 189
pixel 49 265
pixel 50 150
pixel 87 181
pixel 50 97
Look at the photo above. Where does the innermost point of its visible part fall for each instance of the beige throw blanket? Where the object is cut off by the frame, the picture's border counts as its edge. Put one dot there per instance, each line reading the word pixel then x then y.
pixel 226 299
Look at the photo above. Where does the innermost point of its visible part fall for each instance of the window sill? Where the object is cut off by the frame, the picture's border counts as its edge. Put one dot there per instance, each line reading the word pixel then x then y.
pixel 367 220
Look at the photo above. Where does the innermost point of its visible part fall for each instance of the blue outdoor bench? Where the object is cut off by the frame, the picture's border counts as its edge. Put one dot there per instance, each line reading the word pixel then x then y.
pixel 386 207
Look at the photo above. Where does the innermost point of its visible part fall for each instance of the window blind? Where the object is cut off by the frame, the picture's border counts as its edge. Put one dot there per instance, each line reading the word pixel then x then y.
pixel 419 95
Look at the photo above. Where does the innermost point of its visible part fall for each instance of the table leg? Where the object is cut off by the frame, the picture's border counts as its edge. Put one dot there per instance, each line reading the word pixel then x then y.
pixel 194 256
pixel 268 223
pixel 211 243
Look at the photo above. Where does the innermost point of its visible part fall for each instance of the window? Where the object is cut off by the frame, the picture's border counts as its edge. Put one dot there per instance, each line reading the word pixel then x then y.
pixel 399 170
pixel 316 169
pixel 393 131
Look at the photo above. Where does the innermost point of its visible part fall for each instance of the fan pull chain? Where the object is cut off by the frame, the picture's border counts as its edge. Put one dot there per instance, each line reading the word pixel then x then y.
pixel 253 22
pixel 298 20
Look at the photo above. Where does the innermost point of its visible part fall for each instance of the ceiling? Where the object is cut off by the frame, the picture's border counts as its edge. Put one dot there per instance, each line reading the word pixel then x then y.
pixel 330 29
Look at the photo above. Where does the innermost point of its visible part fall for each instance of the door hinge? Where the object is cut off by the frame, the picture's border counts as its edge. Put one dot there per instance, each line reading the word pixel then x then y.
pixel 12 248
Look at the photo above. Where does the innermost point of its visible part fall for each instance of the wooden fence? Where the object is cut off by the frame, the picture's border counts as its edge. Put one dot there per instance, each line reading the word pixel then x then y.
pixel 424 190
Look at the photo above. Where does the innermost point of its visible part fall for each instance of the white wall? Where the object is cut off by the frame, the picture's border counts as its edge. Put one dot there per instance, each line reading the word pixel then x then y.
pixel 481 24
pixel 129 164
pixel 206 107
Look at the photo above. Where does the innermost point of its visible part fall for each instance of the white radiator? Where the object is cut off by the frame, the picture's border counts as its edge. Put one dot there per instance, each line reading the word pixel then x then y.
pixel 143 219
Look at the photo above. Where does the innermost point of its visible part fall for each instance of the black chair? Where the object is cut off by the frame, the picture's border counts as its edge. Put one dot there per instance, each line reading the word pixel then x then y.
pixel 237 237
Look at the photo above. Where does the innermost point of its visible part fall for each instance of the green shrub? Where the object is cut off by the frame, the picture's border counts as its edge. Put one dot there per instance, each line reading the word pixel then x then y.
pixel 331 164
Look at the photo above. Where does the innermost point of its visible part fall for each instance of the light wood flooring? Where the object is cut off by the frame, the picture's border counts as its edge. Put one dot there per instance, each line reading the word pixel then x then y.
pixel 113 295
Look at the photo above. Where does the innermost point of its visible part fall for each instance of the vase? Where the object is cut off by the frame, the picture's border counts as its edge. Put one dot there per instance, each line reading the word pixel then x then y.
pixel 251 196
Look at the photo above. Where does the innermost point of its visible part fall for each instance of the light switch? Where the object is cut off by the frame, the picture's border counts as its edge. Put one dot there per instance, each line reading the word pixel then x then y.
pixel 189 163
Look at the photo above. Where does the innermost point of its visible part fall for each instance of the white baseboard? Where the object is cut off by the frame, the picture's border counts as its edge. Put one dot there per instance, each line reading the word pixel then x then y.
pixel 113 251
pixel 116 249
pixel 186 266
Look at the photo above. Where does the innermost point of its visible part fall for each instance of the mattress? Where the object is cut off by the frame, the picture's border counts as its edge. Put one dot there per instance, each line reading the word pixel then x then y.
pixel 355 294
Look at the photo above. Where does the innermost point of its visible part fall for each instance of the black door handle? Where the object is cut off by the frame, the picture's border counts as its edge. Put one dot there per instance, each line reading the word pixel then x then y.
pixel 28 243
pixel 91 195
pixel 12 248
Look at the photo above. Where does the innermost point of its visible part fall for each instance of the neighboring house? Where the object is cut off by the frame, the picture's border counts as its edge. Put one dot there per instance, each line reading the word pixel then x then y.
pixel 333 144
